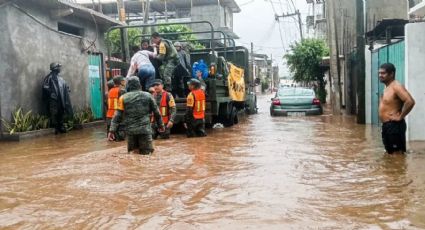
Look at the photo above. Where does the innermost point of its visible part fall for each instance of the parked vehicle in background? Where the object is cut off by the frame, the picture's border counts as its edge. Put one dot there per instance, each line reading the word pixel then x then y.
pixel 295 101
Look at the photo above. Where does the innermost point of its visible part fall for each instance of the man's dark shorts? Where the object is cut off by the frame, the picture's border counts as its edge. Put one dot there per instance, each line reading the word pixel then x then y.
pixel 394 136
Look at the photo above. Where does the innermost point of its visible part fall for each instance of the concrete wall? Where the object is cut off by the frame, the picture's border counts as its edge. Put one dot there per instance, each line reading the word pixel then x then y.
pixel 376 10
pixel 27 47
pixel 206 13
pixel 415 79
pixel 214 14
pixel 368 87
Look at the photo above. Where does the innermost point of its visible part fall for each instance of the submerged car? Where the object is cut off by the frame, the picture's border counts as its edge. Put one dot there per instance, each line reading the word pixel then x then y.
pixel 295 101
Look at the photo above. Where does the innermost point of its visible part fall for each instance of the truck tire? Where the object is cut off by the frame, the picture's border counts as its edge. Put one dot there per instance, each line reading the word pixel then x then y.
pixel 232 117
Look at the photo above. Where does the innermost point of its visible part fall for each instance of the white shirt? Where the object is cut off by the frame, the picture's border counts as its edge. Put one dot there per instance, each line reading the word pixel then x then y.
pixel 139 59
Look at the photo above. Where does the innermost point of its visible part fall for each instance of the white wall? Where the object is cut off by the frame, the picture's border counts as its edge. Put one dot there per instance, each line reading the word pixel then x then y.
pixel 368 87
pixel 415 79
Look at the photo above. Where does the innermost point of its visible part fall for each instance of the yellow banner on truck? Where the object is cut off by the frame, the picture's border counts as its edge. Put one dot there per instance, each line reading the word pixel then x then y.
pixel 236 83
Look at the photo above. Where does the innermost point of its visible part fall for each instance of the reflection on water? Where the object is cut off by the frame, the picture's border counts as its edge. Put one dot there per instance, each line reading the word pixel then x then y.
pixel 266 173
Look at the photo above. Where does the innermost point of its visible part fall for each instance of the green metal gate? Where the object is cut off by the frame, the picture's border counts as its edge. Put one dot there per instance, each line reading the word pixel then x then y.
pixel 394 54
pixel 95 84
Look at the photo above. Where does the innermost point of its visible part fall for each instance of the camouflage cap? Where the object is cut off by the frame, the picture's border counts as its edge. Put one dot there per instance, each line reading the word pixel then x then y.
pixel 133 84
pixel 157 82
pixel 194 82
pixel 111 84
pixel 118 79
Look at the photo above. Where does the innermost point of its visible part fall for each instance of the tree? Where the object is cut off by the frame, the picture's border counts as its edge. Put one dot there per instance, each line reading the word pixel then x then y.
pixel 115 40
pixel 180 29
pixel 304 62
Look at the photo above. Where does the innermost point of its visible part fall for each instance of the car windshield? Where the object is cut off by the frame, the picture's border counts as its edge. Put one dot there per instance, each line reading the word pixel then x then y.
pixel 284 92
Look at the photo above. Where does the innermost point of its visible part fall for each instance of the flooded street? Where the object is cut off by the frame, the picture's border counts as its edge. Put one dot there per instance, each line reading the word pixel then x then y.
pixel 267 172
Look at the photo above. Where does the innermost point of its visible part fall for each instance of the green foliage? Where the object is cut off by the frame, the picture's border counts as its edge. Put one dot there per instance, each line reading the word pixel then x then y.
pixel 40 122
pixel 304 62
pixel 80 117
pixel 114 40
pixel 134 37
pixel 25 121
pixel 180 29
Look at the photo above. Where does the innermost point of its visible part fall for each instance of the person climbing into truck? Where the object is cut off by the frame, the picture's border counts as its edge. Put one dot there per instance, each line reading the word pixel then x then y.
pixel 141 63
pixel 182 72
pixel 195 113
pixel 167 109
pixel 113 95
pixel 146 45
pixel 168 55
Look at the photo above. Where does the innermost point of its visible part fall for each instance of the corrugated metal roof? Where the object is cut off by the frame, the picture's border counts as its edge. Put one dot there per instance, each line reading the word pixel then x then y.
pixel 79 10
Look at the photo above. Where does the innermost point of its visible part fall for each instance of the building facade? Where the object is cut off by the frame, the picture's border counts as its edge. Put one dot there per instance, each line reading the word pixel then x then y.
pixel 36 33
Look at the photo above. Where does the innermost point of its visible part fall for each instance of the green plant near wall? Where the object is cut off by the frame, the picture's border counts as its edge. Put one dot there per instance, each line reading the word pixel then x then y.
pixel 25 121
pixel 81 116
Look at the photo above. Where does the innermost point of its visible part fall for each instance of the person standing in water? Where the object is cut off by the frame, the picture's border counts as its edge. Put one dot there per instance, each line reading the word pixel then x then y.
pixel 395 104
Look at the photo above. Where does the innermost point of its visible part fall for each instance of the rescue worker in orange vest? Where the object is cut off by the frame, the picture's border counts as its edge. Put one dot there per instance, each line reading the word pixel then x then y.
pixel 195 114
pixel 167 109
pixel 113 95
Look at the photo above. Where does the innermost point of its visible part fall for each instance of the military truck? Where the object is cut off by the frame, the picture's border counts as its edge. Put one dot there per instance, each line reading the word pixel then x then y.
pixel 220 107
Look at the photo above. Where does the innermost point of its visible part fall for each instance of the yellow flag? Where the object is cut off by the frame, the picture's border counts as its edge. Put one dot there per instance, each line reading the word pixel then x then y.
pixel 236 83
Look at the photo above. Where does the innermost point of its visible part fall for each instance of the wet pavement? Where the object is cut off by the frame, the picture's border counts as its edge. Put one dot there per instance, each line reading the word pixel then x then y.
pixel 267 172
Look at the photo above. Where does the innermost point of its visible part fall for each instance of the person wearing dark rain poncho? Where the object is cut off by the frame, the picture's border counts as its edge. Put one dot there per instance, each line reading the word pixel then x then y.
pixel 56 98
pixel 135 109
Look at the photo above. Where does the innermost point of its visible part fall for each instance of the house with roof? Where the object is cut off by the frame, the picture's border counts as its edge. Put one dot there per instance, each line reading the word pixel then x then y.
pixel 218 12
pixel 35 33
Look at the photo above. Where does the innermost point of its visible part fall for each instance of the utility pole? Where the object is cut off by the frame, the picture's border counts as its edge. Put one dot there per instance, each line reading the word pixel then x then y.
pixel 334 60
pixel 252 63
pixel 124 33
pixel 146 16
pixel 166 11
pixel 300 23
pixel 121 10
pixel 271 71
pixel 360 60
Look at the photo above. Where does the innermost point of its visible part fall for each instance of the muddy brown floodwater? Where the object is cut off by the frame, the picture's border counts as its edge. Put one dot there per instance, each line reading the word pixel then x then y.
pixel 319 172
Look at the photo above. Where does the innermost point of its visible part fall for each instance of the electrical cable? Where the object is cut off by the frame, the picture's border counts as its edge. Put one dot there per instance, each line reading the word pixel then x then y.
pixel 280 29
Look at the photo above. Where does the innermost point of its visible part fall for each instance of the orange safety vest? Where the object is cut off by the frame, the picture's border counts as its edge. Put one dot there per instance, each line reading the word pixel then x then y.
pixel 113 96
pixel 163 108
pixel 199 104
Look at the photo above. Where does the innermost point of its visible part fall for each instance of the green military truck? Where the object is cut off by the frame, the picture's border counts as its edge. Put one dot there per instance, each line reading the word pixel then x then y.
pixel 220 107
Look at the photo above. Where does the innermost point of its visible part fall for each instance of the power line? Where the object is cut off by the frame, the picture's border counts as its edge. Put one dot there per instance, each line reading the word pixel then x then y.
pixel 280 29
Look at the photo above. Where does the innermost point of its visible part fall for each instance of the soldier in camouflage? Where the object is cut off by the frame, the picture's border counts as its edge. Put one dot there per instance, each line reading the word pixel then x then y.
pixel 167 108
pixel 168 55
pixel 135 108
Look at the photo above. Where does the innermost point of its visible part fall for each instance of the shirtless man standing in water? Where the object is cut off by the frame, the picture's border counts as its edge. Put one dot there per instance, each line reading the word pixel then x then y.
pixel 394 106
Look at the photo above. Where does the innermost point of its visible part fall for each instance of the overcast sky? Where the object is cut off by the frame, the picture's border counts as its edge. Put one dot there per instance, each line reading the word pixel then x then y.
pixel 256 23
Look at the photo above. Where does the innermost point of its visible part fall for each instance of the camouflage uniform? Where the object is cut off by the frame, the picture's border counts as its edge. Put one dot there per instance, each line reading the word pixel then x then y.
pixel 136 107
pixel 172 111
pixel 168 55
